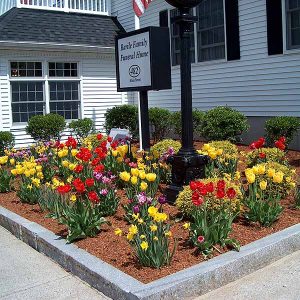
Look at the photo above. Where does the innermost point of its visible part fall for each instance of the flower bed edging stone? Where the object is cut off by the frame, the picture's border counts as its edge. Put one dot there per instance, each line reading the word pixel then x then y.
pixel 190 282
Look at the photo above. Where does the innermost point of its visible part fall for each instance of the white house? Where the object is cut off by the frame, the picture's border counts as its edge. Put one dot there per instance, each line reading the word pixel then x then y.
pixel 246 54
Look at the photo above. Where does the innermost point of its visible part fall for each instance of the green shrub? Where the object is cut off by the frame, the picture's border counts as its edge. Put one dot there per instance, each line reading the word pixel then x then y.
pixel 197 121
pixel 7 141
pixel 82 128
pixel 124 116
pixel 160 120
pixel 46 128
pixel 223 123
pixel 164 145
pixel 281 126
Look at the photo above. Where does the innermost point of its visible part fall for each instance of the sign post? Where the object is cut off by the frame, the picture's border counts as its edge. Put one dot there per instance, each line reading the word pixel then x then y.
pixel 143 64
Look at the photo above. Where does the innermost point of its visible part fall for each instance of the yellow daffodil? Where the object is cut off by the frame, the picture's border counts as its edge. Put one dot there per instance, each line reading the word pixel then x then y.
pixel 153 228
pixel 118 232
pixel 142 237
pixel 29 187
pixel 168 233
pixel 186 225
pixel 144 245
pixel 73 198
pixel 140 221
pixel 160 217
pixel 155 238
pixel 133 229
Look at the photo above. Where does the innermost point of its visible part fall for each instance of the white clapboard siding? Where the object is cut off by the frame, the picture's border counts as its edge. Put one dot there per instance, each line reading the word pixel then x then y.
pixel 98 87
pixel 124 11
pixel 6 5
pixel 257 84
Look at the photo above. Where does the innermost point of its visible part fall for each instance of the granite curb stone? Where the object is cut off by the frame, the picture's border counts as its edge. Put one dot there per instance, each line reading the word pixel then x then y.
pixel 194 281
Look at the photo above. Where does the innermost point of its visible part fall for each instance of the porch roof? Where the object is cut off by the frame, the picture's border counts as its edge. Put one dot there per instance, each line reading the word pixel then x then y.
pixel 32 26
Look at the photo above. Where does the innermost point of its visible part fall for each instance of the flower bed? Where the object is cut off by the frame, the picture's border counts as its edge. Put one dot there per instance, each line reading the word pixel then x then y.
pixel 110 243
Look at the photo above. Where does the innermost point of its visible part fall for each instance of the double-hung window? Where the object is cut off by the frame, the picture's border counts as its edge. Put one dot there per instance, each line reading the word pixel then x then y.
pixel 27 90
pixel 293 23
pixel 29 82
pixel 64 90
pixel 208 35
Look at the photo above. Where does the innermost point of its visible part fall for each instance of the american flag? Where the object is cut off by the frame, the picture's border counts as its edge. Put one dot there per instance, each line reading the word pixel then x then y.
pixel 139 6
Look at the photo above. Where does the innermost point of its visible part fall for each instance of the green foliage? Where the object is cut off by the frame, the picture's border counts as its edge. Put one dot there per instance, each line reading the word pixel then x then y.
pixel 46 128
pixel 198 117
pixel 109 204
pixel 281 126
pixel 82 218
pixel 160 120
pixel 297 197
pixel 262 155
pixel 124 116
pixel 164 145
pixel 212 227
pixel 184 201
pixel 7 141
pixel 29 193
pixel 262 207
pixel 5 181
pixel 223 123
pixel 82 128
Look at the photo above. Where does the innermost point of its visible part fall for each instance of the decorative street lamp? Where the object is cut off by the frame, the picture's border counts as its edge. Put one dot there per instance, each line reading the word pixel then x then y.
pixel 187 164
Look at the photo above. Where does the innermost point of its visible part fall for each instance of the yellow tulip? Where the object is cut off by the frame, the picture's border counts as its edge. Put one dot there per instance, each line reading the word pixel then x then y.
pixel 263 185
pixel 134 180
pixel 119 159
pixel 12 161
pixel 278 177
pixel 72 166
pixel 65 163
pixel 151 177
pixel 14 172
pixel 250 177
pixel 27 173
pixel 114 153
pixel 39 168
pixel 135 172
pixel 3 160
pixel 261 169
pixel 74 152
pixel 212 154
pixel 271 172
pixel 152 210
pixel 143 186
pixel 255 170
pixel 206 147
pixel 219 151
pixel 125 176
pixel 142 174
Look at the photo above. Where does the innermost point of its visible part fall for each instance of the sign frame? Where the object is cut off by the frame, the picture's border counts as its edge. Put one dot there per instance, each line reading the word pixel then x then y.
pixel 160 59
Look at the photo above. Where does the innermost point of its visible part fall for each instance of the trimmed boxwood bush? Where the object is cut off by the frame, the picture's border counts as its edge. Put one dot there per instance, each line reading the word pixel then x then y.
pixel 223 123
pixel 82 128
pixel 198 116
pixel 160 120
pixel 124 116
pixel 46 128
pixel 7 141
pixel 281 126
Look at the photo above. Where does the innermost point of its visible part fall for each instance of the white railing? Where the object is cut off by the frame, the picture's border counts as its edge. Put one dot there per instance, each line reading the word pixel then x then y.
pixel 101 7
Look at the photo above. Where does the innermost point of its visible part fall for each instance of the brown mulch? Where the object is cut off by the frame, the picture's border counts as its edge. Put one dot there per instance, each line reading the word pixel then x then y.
pixel 117 252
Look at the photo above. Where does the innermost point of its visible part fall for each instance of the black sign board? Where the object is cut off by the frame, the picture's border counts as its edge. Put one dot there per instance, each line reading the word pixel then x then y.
pixel 143 60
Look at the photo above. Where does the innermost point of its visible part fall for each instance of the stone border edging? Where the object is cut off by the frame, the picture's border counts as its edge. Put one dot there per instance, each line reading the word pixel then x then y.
pixel 191 282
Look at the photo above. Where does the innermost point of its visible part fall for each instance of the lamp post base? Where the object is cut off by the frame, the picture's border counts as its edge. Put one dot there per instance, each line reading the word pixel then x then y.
pixel 186 166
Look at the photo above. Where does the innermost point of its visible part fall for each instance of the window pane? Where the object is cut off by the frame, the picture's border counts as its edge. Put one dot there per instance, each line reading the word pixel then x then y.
pixel 211 35
pixel 293 24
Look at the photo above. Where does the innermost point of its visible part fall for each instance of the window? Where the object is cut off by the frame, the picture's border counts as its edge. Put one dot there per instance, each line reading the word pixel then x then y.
pixel 208 35
pixel 28 86
pixel 210 30
pixel 64 98
pixel 175 41
pixel 293 23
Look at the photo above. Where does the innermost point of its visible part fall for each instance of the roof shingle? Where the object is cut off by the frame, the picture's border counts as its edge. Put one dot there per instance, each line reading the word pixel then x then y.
pixel 44 26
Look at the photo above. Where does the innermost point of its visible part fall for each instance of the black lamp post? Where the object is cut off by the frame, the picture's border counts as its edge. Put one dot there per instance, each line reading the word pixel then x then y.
pixel 187 164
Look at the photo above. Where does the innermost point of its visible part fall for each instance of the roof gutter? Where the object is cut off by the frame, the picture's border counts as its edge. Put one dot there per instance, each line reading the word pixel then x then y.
pixel 28 45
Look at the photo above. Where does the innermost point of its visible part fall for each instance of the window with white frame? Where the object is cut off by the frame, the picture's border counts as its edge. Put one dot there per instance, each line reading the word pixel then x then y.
pixel 208 36
pixel 29 85
pixel 293 23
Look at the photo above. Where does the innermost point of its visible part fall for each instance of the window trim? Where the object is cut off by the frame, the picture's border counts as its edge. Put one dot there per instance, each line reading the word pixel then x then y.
pixel 45 79
pixel 197 62
pixel 286 49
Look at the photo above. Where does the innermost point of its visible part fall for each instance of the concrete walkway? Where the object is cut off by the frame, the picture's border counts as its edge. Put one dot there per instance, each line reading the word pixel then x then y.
pixel 28 275
pixel 278 281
